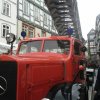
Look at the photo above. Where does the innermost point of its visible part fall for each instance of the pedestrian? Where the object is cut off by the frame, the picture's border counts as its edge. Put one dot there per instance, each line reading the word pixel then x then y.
pixel 97 86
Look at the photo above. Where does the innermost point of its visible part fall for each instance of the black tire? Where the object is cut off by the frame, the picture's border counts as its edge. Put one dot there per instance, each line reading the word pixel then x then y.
pixel 84 93
pixel 65 94
pixel 53 92
pixel 51 95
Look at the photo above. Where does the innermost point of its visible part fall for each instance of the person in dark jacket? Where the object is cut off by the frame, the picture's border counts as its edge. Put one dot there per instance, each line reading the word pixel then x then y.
pixel 97 86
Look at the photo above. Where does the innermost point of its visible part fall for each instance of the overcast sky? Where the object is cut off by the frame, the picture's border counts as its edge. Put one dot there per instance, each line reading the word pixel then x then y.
pixel 88 10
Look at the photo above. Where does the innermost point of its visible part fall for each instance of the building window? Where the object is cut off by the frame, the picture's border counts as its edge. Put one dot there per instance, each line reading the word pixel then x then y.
pixel 29 30
pixel 25 28
pixel 92 50
pixel 53 27
pixel 43 33
pixel 37 14
pixel 37 1
pixel 44 6
pixel 92 44
pixel 91 37
pixel 45 19
pixel 5 30
pixel 6 9
pixel 26 8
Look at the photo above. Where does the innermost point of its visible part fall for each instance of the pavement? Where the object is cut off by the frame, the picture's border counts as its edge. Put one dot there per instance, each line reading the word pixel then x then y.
pixel 75 93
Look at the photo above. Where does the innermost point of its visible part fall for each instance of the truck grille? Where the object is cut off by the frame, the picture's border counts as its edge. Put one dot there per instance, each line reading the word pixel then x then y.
pixel 8 80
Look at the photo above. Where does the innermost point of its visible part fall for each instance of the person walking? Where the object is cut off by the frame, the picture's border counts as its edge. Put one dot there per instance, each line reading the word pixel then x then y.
pixel 97 86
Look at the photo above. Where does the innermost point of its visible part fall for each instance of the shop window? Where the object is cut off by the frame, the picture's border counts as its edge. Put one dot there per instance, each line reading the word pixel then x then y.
pixel 43 33
pixel 25 28
pixel 29 30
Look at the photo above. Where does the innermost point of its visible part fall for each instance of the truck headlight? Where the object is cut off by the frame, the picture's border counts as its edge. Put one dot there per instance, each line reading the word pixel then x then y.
pixel 10 38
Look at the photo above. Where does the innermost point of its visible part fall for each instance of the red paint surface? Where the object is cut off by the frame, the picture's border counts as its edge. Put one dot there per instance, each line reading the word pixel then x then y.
pixel 39 72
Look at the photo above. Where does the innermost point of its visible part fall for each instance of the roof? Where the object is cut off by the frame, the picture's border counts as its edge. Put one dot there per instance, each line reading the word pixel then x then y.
pixel 52 37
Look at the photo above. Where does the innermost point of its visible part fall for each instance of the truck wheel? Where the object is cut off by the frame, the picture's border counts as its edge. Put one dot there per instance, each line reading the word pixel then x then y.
pixel 51 95
pixel 53 92
pixel 83 93
pixel 65 94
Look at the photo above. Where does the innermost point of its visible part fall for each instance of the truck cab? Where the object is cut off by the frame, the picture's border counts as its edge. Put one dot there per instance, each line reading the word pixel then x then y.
pixel 41 67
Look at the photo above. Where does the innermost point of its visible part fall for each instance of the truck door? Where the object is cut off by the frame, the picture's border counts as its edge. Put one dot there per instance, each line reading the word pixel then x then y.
pixel 28 83
pixel 77 56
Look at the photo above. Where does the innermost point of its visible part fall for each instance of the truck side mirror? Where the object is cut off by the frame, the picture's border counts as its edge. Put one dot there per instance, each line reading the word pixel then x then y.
pixel 83 49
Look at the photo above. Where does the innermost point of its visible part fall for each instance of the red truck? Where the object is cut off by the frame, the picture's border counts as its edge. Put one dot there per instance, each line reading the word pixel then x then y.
pixel 41 67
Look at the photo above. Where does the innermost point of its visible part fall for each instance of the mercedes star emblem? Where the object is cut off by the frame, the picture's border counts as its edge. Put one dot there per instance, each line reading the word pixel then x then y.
pixel 3 85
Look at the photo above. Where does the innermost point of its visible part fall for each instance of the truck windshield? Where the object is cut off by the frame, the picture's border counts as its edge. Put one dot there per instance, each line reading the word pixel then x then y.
pixel 54 46
pixel 30 46
pixel 57 46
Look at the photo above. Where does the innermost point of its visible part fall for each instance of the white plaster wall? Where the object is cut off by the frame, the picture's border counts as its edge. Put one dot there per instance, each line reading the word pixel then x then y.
pixel 11 20
pixel 12 17
pixel 19 28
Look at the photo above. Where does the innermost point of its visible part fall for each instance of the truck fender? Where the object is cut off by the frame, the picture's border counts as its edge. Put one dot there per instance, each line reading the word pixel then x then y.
pixel 53 91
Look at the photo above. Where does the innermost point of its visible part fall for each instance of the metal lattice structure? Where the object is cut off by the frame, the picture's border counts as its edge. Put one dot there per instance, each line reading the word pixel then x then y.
pixel 65 15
